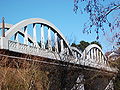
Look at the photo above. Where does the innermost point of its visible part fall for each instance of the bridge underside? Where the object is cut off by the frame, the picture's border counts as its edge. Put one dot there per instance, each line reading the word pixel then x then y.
pixel 61 75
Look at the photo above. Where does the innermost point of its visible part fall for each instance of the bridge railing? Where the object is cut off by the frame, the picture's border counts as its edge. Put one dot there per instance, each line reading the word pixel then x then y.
pixel 23 48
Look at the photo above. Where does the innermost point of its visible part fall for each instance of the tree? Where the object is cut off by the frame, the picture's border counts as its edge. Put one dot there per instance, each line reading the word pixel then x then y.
pixel 83 44
pixel 101 16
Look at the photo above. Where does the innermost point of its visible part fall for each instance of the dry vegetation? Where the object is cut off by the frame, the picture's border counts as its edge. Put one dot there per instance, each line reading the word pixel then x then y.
pixel 17 74
pixel 29 77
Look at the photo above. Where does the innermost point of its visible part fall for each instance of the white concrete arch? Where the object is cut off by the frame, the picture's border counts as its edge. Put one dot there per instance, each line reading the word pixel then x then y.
pixel 88 48
pixel 15 28
pixel 8 26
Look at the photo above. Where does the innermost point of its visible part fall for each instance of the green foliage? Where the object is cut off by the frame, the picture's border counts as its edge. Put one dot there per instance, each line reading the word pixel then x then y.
pixel 73 45
pixel 83 44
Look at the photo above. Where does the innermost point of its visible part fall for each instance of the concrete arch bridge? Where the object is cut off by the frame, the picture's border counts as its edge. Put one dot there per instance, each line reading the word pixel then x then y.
pixel 40 38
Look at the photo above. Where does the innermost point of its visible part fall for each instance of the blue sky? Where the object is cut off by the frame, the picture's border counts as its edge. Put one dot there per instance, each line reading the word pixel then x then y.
pixel 58 12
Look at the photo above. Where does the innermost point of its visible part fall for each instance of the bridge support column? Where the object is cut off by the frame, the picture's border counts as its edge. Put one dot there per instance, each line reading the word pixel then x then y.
pixel 42 37
pixel 49 40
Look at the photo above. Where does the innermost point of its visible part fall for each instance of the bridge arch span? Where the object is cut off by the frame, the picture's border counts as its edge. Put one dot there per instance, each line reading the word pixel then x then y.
pixel 94 52
pixel 21 28
pixel 26 22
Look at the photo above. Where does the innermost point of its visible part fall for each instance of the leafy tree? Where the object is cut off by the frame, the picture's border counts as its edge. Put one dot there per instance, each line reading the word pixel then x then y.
pixel 103 14
pixel 74 45
pixel 83 44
